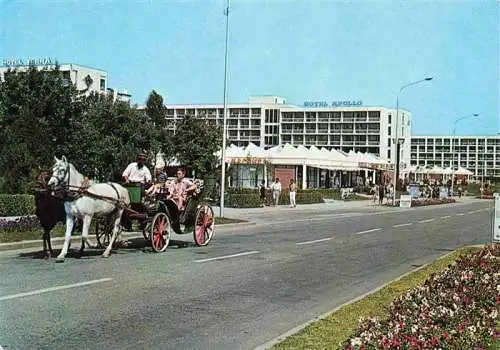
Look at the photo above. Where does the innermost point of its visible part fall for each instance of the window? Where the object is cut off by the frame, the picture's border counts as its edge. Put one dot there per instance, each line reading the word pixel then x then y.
pixel 388 154
pixel 389 130
pixel 103 84
pixel 390 117
pixel 389 143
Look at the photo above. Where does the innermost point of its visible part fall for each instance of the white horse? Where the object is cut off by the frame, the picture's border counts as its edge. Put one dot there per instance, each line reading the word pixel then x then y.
pixel 99 199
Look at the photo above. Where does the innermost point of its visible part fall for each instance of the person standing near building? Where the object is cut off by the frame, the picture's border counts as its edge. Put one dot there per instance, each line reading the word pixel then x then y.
pixel 293 191
pixel 276 188
pixel 262 190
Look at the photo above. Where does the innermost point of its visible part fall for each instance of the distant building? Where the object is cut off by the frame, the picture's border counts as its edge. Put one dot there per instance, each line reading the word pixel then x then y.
pixel 479 154
pixel 75 73
pixel 268 121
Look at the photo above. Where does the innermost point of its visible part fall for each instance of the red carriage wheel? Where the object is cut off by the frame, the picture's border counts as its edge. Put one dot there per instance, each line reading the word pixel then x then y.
pixel 160 232
pixel 204 225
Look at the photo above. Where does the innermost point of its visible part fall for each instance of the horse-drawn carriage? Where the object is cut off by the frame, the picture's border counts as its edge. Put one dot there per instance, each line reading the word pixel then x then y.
pixel 157 216
pixel 114 205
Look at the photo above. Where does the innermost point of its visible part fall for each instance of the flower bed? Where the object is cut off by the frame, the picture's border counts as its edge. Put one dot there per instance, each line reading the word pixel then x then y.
pixel 486 196
pixel 455 309
pixel 425 202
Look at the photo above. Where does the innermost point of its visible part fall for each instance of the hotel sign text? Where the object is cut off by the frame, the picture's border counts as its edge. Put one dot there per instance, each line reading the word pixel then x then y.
pixel 346 103
pixel 17 62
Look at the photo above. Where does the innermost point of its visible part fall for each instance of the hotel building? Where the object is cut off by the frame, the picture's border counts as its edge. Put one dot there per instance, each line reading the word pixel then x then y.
pixel 75 73
pixel 268 121
pixel 479 154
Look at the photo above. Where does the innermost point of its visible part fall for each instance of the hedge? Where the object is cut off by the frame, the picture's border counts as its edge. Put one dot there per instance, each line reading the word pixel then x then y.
pixel 24 204
pixel 17 204
pixel 250 198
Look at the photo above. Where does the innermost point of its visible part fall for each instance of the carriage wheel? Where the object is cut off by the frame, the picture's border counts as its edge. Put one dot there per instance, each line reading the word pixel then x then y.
pixel 103 234
pixel 160 232
pixel 204 225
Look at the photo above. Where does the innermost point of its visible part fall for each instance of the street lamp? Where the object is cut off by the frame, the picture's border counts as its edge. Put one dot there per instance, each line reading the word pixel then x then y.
pixel 396 138
pixel 223 153
pixel 453 147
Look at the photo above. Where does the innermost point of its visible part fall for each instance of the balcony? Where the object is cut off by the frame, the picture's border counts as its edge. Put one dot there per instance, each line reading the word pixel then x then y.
pixel 373 131
pixel 347 131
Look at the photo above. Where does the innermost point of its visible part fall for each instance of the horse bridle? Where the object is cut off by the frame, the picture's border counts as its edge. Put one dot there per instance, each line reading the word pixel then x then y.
pixel 66 172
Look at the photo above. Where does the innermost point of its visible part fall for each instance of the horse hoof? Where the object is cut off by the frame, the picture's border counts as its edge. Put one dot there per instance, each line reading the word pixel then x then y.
pixel 105 256
pixel 59 260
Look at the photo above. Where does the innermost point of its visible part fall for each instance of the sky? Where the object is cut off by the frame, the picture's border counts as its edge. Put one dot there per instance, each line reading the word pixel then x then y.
pixel 321 50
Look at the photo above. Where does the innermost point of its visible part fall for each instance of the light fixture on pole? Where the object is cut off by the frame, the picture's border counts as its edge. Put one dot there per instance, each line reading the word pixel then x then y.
pixel 223 153
pixel 396 138
pixel 453 149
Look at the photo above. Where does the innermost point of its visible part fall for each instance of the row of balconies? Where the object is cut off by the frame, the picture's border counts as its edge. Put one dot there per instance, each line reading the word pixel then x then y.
pixel 326 131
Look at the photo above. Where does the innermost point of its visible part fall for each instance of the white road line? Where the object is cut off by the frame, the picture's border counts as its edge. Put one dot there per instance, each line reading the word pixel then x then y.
pixel 228 256
pixel 460 214
pixel 367 231
pixel 53 289
pixel 315 241
pixel 445 217
pixel 401 225
pixel 471 212
pixel 424 221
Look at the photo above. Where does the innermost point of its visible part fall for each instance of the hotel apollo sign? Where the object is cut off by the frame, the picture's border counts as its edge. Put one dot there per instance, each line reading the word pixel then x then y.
pixel 346 103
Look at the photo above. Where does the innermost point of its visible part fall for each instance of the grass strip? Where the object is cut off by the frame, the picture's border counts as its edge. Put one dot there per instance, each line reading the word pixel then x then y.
pixel 330 332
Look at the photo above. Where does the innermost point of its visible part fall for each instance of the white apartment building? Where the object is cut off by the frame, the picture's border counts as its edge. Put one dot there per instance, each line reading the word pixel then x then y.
pixel 479 154
pixel 75 73
pixel 268 121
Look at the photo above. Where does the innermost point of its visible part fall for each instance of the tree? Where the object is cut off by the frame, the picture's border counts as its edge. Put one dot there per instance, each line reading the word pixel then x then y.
pixel 155 109
pixel 195 144
pixel 36 116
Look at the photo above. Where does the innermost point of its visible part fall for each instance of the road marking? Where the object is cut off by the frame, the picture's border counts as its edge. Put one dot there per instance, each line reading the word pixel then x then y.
pixel 53 289
pixel 471 212
pixel 424 221
pixel 228 256
pixel 368 231
pixel 315 241
pixel 460 214
pixel 401 225
pixel 445 217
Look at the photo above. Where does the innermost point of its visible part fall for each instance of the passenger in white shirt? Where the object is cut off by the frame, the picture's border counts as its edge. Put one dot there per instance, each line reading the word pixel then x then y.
pixel 137 172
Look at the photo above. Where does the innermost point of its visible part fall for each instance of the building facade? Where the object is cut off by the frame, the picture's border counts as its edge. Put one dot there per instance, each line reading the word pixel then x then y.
pixel 268 121
pixel 479 154
pixel 74 73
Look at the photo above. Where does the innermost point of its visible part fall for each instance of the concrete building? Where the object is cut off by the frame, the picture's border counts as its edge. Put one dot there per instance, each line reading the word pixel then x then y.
pixel 76 73
pixel 479 154
pixel 269 121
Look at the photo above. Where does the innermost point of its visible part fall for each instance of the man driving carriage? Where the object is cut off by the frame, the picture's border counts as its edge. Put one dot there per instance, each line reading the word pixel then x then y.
pixel 138 172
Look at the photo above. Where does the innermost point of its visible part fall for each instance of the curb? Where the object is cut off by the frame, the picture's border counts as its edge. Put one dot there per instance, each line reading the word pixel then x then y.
pixel 300 327
pixel 38 243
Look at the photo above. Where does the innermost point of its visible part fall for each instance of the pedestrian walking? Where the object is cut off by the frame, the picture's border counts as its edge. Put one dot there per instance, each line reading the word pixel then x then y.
pixel 262 190
pixel 276 188
pixel 381 193
pixel 293 191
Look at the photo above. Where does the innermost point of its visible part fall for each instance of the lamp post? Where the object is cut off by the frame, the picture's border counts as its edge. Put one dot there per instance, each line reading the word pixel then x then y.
pixel 453 148
pixel 223 153
pixel 396 138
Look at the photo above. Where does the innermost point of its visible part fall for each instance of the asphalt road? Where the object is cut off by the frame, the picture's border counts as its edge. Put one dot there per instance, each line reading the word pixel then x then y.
pixel 251 284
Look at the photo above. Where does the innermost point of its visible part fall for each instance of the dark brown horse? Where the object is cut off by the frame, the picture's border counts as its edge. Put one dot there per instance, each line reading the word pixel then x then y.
pixel 49 210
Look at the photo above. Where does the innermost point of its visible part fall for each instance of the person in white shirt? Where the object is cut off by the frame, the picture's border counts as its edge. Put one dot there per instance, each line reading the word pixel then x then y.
pixel 276 188
pixel 137 171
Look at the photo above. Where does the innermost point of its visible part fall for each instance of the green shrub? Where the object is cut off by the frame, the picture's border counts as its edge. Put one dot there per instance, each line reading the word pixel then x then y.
pixel 250 198
pixel 17 204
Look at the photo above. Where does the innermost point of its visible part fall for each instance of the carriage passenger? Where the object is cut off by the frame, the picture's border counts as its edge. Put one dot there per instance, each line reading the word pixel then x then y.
pixel 161 179
pixel 138 172
pixel 179 189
